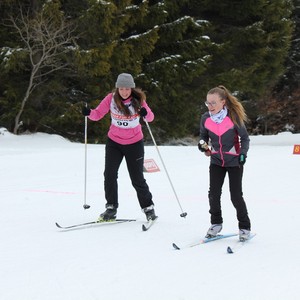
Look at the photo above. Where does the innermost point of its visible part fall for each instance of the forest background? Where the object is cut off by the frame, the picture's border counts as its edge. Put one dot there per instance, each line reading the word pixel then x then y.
pixel 58 55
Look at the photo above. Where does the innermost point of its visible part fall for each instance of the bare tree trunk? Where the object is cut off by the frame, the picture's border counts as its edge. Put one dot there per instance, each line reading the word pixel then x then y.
pixel 45 39
pixel 27 94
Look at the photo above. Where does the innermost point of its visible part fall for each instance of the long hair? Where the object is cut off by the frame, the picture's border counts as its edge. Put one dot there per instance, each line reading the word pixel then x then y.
pixel 138 96
pixel 235 109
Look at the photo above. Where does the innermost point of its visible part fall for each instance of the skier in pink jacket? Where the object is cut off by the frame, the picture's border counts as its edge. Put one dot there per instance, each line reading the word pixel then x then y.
pixel 223 128
pixel 125 139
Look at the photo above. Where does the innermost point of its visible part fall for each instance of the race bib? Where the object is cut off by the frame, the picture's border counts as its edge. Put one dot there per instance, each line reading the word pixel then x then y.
pixel 118 119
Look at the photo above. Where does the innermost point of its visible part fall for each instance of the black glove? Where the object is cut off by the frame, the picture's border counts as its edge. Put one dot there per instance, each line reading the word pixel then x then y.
pixel 86 111
pixel 143 112
pixel 242 159
pixel 202 146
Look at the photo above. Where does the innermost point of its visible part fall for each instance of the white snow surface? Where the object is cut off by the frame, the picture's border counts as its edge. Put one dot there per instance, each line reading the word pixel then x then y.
pixel 42 182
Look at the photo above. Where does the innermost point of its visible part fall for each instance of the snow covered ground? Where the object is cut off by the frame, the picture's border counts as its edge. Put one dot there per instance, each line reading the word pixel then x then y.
pixel 42 181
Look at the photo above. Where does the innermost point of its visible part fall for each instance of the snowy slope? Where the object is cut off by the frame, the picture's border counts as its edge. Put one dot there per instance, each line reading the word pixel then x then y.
pixel 42 180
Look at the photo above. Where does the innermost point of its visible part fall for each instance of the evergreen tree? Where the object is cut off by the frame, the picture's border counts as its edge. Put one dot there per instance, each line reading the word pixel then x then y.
pixel 284 108
pixel 104 49
pixel 253 38
pixel 176 50
pixel 256 37
pixel 180 55
pixel 111 42
pixel 291 79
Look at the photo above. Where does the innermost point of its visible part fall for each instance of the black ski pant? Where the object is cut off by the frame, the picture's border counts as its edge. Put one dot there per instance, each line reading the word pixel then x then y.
pixel 134 156
pixel 217 176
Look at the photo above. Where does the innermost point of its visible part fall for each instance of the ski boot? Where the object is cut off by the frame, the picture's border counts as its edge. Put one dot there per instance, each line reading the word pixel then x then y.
pixel 150 213
pixel 213 230
pixel 109 215
pixel 244 234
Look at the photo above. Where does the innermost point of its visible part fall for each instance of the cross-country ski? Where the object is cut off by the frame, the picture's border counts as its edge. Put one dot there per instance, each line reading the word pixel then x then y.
pixel 116 221
pixel 204 241
pixel 149 224
pixel 239 244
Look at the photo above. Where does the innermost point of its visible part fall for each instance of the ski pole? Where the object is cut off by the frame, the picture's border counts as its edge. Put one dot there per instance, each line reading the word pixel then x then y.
pixel 85 206
pixel 183 214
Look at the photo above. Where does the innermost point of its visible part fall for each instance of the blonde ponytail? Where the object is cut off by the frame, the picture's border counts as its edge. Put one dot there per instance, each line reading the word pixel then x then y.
pixel 235 109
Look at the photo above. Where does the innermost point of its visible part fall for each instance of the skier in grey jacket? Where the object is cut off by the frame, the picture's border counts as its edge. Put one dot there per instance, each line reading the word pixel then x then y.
pixel 223 129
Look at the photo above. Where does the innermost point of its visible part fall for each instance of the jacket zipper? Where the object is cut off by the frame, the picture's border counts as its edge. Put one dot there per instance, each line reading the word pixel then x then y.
pixel 221 151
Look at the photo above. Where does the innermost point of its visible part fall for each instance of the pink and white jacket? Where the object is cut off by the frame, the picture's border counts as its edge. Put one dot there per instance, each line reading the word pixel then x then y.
pixel 123 130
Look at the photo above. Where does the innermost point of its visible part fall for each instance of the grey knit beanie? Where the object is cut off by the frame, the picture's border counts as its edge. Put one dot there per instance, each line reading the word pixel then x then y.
pixel 125 80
